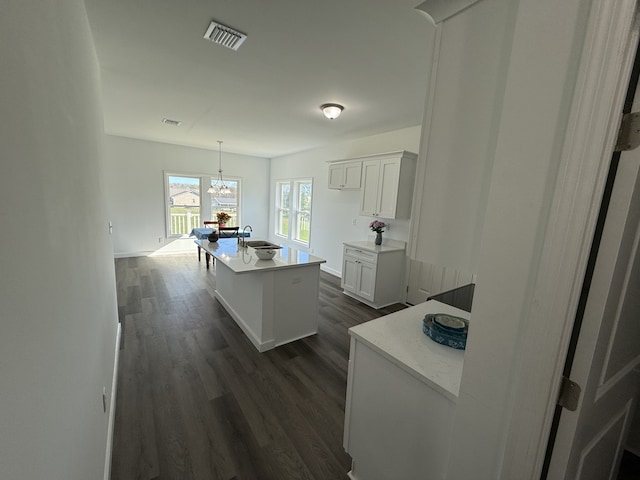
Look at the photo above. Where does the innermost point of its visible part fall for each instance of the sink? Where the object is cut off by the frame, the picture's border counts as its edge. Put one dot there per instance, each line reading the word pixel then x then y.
pixel 261 244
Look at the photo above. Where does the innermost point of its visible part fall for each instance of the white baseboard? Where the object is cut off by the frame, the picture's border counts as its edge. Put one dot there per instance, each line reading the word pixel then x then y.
pixel 132 254
pixel 330 271
pixel 112 406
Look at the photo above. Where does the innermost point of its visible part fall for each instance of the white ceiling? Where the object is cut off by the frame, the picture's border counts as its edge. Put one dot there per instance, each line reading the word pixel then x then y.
pixel 369 55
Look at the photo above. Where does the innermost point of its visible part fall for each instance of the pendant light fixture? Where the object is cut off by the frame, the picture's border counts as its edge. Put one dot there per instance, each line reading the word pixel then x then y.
pixel 219 186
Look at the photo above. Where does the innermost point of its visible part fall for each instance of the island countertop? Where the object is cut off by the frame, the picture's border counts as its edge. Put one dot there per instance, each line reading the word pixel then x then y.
pixel 245 260
pixel 399 338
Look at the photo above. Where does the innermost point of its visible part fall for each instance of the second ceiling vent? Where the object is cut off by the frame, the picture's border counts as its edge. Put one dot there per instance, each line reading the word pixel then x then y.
pixel 225 36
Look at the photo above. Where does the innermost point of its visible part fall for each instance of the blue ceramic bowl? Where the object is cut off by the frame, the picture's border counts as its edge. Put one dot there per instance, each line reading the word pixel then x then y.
pixel 435 332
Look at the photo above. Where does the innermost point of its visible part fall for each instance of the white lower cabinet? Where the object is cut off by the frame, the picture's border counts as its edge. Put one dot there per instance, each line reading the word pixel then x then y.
pixel 402 390
pixel 373 274
pixel 396 427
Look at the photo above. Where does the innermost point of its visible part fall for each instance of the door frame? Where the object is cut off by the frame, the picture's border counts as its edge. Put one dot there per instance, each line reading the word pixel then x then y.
pixel 595 115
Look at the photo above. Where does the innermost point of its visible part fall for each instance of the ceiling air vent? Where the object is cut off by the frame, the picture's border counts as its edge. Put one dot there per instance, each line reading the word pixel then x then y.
pixel 225 36
pixel 168 121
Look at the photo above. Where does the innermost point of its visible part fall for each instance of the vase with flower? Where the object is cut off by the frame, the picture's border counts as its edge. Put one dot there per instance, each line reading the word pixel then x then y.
pixel 223 218
pixel 377 226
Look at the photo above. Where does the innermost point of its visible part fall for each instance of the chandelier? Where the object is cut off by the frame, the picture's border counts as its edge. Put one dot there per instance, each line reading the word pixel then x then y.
pixel 219 186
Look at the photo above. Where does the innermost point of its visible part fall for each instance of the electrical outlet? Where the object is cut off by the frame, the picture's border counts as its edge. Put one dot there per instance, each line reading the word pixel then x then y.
pixel 110 228
pixel 160 239
pixel 355 222
pixel 104 399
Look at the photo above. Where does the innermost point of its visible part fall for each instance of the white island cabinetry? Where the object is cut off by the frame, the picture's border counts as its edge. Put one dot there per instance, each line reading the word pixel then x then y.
pixel 402 390
pixel 273 301
pixel 374 274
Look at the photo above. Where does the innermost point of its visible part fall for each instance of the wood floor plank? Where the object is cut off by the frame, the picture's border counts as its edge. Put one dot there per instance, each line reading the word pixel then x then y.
pixel 196 400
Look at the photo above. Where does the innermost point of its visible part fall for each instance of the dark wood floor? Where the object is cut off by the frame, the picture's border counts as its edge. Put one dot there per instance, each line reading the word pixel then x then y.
pixel 196 400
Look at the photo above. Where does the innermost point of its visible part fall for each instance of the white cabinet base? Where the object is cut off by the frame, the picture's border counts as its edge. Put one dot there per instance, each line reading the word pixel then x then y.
pixel 377 306
pixel 374 274
pixel 396 427
pixel 272 307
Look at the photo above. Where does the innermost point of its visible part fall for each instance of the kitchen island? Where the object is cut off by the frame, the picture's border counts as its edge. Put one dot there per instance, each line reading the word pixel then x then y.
pixel 273 301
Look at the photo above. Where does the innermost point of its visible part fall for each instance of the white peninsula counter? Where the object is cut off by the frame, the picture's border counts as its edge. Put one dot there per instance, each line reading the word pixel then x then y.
pixel 402 390
pixel 273 301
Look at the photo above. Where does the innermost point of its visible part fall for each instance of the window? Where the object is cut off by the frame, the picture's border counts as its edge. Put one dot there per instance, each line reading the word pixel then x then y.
pixel 185 211
pixel 184 204
pixel 293 209
pixel 227 202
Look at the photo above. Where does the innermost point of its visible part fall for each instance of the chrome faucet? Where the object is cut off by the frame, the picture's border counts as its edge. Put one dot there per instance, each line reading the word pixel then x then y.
pixel 244 230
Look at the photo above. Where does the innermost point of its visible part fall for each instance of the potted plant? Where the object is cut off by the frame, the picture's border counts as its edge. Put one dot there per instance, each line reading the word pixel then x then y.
pixel 377 226
pixel 223 218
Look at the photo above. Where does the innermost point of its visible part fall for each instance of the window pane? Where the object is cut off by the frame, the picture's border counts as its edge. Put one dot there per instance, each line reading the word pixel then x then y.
pixel 283 222
pixel 227 203
pixel 184 204
pixel 302 227
pixel 303 214
pixel 283 195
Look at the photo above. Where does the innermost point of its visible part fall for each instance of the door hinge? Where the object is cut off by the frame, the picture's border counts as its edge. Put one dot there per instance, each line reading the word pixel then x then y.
pixel 629 133
pixel 569 396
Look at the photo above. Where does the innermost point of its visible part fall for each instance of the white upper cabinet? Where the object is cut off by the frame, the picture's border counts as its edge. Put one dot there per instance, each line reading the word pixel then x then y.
pixel 345 175
pixel 387 185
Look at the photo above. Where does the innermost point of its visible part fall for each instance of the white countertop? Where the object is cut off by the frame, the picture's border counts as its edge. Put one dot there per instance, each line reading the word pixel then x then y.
pixel 399 338
pixel 245 260
pixel 387 246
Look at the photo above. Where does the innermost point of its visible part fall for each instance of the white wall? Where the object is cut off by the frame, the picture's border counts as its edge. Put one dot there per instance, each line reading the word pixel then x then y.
pixel 333 211
pixel 528 135
pixel 456 156
pixel 58 319
pixel 134 173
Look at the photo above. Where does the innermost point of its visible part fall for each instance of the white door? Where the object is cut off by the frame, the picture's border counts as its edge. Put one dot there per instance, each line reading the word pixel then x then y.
pixel 366 280
pixel 369 193
pixel 352 174
pixel 349 274
pixel 590 440
pixel 336 176
pixel 388 188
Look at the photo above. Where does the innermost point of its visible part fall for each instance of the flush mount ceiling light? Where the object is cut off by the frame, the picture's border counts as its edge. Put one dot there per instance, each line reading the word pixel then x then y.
pixel 331 110
pixel 219 187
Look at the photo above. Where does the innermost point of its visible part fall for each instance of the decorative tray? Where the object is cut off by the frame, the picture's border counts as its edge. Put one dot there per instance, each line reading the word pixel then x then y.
pixel 446 329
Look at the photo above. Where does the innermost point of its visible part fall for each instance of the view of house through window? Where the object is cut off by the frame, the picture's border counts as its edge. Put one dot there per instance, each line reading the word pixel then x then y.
pixel 184 204
pixel 293 209
pixel 185 211
pixel 227 203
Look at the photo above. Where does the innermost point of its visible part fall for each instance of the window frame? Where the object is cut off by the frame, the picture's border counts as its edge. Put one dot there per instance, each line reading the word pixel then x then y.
pixel 206 210
pixel 294 209
pixel 238 180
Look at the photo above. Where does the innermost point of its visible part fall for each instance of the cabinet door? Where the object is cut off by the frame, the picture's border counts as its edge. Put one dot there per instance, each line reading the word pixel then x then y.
pixel 349 279
pixel 366 280
pixel 352 175
pixel 336 176
pixel 369 193
pixel 388 184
